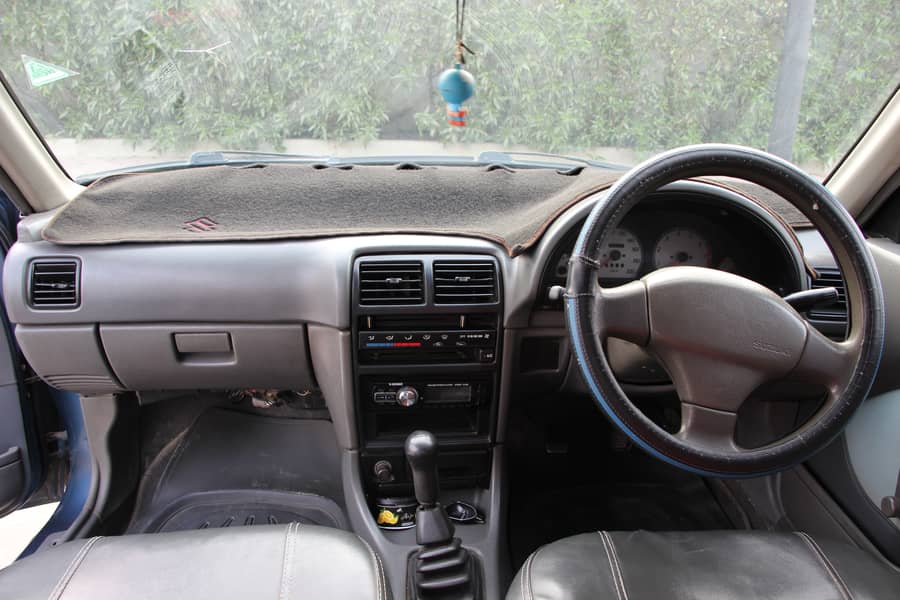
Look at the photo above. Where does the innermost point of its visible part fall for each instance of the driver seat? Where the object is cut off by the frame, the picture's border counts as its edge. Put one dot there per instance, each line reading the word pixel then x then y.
pixel 701 565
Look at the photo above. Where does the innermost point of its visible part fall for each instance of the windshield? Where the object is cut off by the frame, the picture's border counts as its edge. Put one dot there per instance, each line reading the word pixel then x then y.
pixel 113 83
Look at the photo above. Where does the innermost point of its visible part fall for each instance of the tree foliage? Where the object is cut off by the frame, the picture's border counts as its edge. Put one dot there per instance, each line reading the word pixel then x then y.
pixel 553 75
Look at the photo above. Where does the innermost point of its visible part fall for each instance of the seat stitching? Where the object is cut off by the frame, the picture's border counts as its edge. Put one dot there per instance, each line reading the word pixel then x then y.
pixel 286 560
pixel 70 570
pixel 615 557
pixel 380 582
pixel 382 592
pixel 527 588
pixel 383 576
pixel 526 578
pixel 612 569
pixel 829 568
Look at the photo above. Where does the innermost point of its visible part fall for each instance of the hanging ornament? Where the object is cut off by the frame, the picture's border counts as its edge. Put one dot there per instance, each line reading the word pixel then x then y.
pixel 457 85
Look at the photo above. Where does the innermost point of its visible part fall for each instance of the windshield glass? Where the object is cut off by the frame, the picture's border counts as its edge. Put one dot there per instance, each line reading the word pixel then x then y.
pixel 112 83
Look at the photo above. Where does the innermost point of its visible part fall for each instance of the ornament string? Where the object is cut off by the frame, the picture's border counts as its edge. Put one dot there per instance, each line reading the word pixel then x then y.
pixel 461 47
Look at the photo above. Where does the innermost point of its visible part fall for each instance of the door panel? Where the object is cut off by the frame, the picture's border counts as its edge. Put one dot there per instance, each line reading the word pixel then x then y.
pixel 21 469
pixel 16 472
pixel 873 447
pixel 863 463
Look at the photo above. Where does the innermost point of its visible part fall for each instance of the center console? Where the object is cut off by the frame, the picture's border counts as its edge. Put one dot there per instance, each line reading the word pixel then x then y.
pixel 426 330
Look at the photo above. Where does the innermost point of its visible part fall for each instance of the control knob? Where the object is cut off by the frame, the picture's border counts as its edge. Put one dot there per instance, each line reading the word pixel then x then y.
pixel 384 472
pixel 407 396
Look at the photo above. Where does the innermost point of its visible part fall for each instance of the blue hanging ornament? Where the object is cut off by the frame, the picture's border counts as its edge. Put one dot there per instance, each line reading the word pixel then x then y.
pixel 456 86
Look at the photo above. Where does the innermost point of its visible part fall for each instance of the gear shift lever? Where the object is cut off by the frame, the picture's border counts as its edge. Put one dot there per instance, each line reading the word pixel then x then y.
pixel 432 524
pixel 442 569
pixel 421 453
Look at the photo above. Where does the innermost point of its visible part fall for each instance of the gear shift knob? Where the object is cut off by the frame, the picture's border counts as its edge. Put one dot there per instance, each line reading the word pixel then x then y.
pixel 421 454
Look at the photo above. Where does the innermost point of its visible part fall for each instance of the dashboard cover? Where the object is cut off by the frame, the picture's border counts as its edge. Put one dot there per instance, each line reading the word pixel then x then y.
pixel 512 207
pixel 264 202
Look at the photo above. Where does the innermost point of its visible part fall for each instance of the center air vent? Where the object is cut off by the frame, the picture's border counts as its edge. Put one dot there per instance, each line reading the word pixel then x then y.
pixel 465 282
pixel 390 283
pixel 54 284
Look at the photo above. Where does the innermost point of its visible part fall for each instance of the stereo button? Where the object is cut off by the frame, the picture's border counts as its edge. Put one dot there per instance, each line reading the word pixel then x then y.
pixel 407 396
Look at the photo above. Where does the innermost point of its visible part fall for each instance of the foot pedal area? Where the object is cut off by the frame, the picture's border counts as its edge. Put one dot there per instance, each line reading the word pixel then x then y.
pixel 620 442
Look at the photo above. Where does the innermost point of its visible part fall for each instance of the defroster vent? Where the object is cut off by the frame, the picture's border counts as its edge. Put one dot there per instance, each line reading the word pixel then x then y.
pixel 391 283
pixel 54 284
pixel 465 282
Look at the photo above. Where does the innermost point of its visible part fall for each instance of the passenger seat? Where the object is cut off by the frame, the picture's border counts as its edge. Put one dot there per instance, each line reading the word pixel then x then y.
pixel 284 562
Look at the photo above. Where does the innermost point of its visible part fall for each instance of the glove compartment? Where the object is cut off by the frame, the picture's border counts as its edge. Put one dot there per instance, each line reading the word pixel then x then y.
pixel 208 356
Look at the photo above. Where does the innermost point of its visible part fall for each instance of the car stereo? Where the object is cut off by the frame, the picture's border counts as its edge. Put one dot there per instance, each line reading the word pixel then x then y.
pixel 407 394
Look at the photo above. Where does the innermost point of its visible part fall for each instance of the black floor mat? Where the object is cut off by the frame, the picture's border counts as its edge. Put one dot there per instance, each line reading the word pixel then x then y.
pixel 570 473
pixel 244 508
pixel 232 468
pixel 547 516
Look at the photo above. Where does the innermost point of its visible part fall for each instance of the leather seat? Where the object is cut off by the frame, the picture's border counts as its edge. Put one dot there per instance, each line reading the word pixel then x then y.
pixel 702 565
pixel 283 562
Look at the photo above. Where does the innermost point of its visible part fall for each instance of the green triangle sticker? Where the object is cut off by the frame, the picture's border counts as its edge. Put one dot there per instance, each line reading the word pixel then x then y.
pixel 40 72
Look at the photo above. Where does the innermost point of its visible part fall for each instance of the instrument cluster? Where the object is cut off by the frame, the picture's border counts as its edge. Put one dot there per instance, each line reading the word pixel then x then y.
pixel 682 231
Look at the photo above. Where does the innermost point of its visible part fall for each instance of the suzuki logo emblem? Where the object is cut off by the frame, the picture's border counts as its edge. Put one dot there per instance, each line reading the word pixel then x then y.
pixel 200 225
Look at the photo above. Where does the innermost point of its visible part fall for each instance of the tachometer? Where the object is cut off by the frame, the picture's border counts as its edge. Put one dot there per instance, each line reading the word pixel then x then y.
pixel 682 247
pixel 621 255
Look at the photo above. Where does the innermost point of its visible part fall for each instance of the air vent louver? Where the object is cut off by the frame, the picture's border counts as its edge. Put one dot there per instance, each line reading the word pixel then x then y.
pixel 837 311
pixel 465 282
pixel 391 283
pixel 54 284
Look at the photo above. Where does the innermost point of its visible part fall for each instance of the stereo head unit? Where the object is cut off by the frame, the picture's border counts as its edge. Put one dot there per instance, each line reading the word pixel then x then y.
pixel 407 394
pixel 394 404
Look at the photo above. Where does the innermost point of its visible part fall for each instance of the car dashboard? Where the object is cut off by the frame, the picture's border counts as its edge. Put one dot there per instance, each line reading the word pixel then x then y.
pixel 151 316
pixel 397 331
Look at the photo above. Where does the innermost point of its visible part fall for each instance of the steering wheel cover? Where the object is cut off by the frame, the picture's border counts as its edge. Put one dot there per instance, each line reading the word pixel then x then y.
pixel 843 237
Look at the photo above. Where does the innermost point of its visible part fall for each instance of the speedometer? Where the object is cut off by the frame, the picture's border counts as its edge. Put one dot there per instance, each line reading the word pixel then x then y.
pixel 620 256
pixel 682 247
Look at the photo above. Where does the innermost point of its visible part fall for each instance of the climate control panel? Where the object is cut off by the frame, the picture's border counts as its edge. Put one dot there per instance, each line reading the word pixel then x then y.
pixel 427 339
pixel 429 347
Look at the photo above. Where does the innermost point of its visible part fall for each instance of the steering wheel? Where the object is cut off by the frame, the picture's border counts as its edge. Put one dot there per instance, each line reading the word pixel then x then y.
pixel 718 335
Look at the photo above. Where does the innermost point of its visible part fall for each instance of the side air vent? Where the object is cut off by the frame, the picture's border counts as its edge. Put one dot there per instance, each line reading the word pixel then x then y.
pixel 391 283
pixel 836 311
pixel 831 319
pixel 54 284
pixel 465 282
